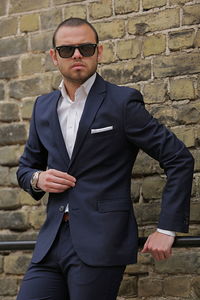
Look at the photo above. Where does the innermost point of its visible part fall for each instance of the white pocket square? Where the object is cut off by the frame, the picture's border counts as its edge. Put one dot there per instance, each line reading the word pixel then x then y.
pixel 103 129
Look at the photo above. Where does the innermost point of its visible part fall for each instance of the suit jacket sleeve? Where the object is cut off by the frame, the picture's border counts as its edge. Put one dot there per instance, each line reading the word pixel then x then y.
pixel 157 141
pixel 33 159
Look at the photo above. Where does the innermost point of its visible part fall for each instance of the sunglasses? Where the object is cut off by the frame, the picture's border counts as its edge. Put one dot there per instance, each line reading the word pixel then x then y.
pixel 86 50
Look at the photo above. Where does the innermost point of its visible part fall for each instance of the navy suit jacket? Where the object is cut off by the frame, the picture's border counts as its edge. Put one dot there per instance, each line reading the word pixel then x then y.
pixel 102 223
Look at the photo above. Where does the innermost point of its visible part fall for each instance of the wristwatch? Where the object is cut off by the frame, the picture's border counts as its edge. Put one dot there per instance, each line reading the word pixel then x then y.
pixel 34 180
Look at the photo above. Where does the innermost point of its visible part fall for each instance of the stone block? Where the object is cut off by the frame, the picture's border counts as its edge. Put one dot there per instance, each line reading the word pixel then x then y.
pixel 50 19
pixel 9 155
pixel 128 287
pixel 110 30
pixel 25 199
pixel 127 49
pixel 12 176
pixel 188 114
pixel 29 23
pixel 3 7
pixel 196 286
pixel 49 65
pixel 4 176
pixel 8 286
pixel 8 199
pixel 148 4
pixel 197 39
pixel 155 92
pixel 135 190
pixel 9 112
pixel 9 68
pixel 100 9
pixel 27 5
pixel 27 108
pixel 191 14
pixel 16 220
pixel 182 88
pixel 2 91
pixel 31 64
pixel 187 135
pixel 152 187
pixel 160 20
pixel 181 39
pixel 1 263
pixel 37 217
pixel 8 26
pixel 13 46
pixel 16 263
pixel 56 80
pixel 154 44
pixel 41 41
pixel 195 208
pixel 108 53
pixel 124 7
pixel 181 64
pixel 180 2
pixel 177 286
pixel 196 155
pixel 182 262
pixel 79 11
pixel 147 213
pixel 166 115
pixel 149 287
pixel 145 165
pixel 24 88
pixel 12 134
pixel 55 2
pixel 127 72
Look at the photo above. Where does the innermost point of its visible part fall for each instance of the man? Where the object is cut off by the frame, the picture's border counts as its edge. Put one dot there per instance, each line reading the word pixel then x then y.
pixel 82 145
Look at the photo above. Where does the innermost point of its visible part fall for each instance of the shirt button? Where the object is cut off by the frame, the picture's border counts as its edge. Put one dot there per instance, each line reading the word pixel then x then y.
pixel 61 208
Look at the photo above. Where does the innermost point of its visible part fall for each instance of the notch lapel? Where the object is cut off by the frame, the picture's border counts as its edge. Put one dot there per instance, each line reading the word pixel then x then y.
pixel 57 133
pixel 92 105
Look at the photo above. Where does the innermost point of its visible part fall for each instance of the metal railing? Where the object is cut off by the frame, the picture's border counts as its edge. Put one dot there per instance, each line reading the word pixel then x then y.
pixel 181 241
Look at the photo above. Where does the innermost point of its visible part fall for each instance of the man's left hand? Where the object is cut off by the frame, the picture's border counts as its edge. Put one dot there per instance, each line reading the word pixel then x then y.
pixel 159 245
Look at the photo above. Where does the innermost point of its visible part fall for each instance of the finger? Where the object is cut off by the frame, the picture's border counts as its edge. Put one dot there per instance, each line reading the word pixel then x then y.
pixel 61 174
pixel 62 181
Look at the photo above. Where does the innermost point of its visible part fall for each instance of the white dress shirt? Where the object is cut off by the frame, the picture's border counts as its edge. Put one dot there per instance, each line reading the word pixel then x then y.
pixel 69 114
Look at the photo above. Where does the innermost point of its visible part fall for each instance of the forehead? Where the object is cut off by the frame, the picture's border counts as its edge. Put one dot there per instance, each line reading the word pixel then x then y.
pixel 75 35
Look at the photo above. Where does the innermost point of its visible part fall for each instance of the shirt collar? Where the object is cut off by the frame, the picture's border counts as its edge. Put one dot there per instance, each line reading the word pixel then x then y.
pixel 86 86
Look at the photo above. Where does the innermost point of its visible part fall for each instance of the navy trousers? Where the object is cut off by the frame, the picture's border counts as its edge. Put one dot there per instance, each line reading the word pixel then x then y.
pixel 61 275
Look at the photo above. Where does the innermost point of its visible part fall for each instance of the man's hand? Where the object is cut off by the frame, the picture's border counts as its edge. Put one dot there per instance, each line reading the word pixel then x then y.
pixel 54 181
pixel 159 245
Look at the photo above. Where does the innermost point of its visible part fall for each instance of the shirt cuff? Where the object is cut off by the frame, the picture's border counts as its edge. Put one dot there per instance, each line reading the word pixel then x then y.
pixel 167 232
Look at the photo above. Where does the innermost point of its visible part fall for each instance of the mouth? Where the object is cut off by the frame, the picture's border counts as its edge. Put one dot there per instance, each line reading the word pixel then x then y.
pixel 78 66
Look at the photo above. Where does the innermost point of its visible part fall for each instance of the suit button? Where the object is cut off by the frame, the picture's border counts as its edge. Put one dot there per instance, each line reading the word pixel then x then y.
pixel 61 208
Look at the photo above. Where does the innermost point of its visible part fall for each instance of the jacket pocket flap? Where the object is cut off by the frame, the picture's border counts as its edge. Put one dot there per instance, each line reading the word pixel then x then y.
pixel 114 205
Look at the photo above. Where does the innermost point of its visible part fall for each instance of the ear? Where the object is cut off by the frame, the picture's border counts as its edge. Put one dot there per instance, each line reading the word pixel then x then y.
pixel 100 52
pixel 53 55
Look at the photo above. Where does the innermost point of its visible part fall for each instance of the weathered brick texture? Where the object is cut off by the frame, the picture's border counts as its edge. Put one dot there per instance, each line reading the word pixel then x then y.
pixel 151 45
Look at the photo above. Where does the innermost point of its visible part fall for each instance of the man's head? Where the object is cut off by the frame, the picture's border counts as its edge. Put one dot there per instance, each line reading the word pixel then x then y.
pixel 74 22
pixel 75 50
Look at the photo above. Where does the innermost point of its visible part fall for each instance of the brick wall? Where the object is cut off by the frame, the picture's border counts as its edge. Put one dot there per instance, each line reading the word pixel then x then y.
pixel 152 45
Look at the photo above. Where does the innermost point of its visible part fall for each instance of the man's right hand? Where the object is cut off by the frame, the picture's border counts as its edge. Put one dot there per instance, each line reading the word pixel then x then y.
pixel 53 181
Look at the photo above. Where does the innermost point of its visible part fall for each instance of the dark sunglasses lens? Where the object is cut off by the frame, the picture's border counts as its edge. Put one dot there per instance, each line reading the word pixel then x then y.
pixel 87 50
pixel 66 51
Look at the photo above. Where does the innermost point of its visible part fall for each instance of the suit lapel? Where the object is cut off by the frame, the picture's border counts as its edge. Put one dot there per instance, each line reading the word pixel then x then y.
pixel 93 103
pixel 56 131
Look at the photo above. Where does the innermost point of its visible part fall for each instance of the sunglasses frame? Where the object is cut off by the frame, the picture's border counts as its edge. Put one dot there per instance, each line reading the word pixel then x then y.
pixel 74 47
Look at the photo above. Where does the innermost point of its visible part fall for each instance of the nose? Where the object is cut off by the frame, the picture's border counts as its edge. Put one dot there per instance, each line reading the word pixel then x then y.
pixel 77 54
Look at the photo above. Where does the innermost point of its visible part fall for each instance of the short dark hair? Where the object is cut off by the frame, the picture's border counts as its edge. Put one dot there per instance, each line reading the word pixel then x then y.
pixel 73 22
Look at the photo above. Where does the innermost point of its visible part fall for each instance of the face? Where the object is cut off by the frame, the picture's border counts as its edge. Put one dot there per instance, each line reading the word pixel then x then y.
pixel 76 69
